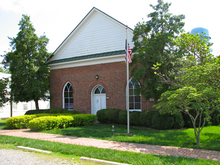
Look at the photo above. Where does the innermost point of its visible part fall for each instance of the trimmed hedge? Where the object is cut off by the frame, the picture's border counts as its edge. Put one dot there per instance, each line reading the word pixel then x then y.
pixel 19 122
pixel 108 115
pixel 178 121
pixel 51 111
pixel 162 121
pixel 51 122
pixel 122 116
pixel 146 118
pixel 215 118
pixel 134 118
pixel 84 119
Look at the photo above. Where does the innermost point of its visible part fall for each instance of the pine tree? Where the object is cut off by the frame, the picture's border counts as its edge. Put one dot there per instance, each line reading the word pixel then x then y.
pixel 26 61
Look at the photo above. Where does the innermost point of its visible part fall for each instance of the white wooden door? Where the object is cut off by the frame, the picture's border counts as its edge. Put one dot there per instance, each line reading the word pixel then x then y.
pixel 99 102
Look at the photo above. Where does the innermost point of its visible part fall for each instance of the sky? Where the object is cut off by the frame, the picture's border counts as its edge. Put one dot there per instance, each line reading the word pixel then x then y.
pixel 57 18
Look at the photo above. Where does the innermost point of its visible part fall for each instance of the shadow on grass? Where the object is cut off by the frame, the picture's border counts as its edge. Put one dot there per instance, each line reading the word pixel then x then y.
pixel 177 138
pixel 3 126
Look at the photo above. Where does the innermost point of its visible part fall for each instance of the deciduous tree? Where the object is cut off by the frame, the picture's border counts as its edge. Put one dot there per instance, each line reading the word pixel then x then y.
pixel 153 43
pixel 197 83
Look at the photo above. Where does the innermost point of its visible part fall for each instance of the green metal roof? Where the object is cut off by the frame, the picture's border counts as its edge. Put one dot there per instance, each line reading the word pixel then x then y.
pixel 87 56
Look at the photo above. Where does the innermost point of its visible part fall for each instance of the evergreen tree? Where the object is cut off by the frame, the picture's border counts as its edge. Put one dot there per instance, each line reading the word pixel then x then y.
pixel 153 43
pixel 4 92
pixel 26 61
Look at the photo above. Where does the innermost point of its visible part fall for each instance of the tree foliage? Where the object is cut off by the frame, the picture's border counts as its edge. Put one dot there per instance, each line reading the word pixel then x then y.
pixel 153 43
pixel 190 50
pixel 26 61
pixel 198 82
pixel 4 92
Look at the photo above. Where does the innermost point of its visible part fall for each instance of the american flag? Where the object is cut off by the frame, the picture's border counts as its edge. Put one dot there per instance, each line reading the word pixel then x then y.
pixel 129 53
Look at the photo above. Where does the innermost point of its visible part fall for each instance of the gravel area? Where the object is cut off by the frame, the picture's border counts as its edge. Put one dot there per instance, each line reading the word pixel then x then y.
pixel 18 157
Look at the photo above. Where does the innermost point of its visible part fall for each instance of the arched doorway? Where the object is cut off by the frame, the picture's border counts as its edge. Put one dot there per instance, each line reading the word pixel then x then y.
pixel 98 99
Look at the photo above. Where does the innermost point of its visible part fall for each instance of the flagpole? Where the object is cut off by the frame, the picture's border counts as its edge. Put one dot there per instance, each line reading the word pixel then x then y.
pixel 127 89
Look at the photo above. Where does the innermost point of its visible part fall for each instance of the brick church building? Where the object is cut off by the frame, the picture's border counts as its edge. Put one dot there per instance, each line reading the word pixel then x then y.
pixel 87 70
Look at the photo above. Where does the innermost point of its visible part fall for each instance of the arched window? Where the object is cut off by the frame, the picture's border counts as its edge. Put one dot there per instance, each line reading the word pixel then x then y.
pixel 134 100
pixel 100 90
pixel 68 96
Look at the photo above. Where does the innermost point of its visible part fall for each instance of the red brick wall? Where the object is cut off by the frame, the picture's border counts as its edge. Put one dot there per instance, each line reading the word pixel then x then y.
pixel 112 77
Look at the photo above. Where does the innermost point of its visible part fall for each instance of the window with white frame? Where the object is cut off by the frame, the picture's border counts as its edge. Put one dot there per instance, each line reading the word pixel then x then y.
pixel 68 96
pixel 134 100
pixel 14 106
pixel 25 106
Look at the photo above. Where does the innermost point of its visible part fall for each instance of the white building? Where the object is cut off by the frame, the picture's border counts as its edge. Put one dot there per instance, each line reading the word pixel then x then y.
pixel 19 108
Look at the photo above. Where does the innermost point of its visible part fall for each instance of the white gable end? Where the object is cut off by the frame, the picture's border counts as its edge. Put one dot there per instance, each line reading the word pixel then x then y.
pixel 97 33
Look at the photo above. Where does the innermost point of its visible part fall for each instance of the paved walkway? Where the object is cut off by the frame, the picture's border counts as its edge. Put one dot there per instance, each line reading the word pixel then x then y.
pixel 142 148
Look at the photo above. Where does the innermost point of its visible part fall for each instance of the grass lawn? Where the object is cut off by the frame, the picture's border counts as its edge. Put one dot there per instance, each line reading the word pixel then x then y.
pixel 209 138
pixel 2 123
pixel 53 157
pixel 106 154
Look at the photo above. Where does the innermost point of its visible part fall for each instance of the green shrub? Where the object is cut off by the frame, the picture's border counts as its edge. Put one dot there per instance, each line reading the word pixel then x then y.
pixel 215 118
pixel 162 121
pixel 112 115
pixel 102 118
pixel 178 120
pixel 51 122
pixel 122 116
pixel 51 111
pixel 19 122
pixel 108 115
pixel 146 118
pixel 31 112
pixel 135 118
pixel 84 119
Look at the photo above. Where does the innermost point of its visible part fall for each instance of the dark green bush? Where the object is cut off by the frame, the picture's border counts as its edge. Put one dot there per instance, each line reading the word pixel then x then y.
pixel 112 115
pixel 188 121
pixel 31 112
pixel 162 121
pixel 102 118
pixel 135 118
pixel 215 118
pixel 19 122
pixel 108 115
pixel 51 122
pixel 84 119
pixel 146 118
pixel 122 116
pixel 51 111
pixel 178 120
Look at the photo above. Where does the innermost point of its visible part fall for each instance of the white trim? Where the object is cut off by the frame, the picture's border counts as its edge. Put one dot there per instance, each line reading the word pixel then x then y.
pixel 86 62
